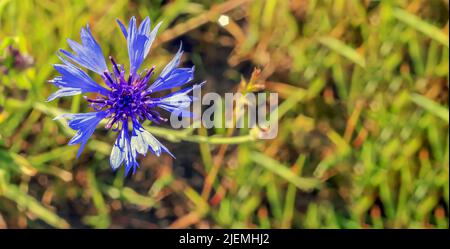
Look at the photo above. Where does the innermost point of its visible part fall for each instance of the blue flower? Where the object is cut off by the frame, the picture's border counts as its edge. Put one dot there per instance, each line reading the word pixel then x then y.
pixel 125 100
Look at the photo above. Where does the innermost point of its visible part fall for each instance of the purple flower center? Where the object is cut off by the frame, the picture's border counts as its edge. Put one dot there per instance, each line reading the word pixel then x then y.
pixel 128 98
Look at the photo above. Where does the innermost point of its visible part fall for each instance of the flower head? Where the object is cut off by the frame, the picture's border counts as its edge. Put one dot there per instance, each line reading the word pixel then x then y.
pixel 126 99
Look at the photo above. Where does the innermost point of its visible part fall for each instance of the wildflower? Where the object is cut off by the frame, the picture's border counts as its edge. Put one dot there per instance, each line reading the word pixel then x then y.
pixel 14 59
pixel 126 100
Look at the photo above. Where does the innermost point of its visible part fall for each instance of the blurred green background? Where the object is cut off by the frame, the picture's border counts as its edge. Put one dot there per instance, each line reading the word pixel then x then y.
pixel 363 117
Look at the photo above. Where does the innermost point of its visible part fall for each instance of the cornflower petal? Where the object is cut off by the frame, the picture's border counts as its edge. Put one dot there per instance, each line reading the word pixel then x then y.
pixel 143 140
pixel 178 101
pixel 84 124
pixel 139 41
pixel 171 76
pixel 126 148
pixel 73 81
pixel 177 77
pixel 122 152
pixel 88 54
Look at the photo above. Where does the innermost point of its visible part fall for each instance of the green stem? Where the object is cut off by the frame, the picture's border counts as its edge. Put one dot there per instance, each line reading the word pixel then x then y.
pixel 171 135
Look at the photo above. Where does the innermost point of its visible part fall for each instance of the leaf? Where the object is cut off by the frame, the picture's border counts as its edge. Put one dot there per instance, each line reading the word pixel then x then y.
pixel 343 49
pixel 422 26
pixel 303 183
pixel 431 106
pixel 26 201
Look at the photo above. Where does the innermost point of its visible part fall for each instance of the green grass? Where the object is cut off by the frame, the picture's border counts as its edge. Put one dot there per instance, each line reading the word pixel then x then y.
pixel 363 118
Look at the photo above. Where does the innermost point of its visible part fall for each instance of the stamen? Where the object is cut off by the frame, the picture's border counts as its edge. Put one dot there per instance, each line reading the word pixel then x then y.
pixel 130 78
pixel 109 81
pixel 148 75
pixel 99 101
pixel 111 122
pixel 151 118
pixel 116 68
pixel 158 115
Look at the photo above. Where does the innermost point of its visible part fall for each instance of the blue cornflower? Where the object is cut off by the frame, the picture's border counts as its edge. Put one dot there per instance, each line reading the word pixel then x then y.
pixel 126 99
